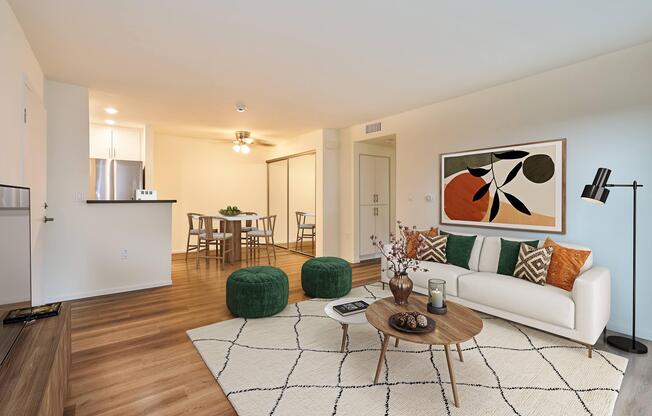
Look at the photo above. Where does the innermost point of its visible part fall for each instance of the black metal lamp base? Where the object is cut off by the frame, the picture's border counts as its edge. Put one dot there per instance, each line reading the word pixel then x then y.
pixel 626 344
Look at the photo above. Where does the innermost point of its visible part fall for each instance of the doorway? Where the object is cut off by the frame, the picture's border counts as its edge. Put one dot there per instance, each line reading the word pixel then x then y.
pixel 35 177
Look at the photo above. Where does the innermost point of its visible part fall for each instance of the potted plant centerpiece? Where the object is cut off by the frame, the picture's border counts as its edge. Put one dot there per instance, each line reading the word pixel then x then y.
pixel 395 251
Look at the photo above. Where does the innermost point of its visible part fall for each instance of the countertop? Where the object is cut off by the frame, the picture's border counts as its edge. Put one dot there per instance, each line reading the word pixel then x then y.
pixel 131 201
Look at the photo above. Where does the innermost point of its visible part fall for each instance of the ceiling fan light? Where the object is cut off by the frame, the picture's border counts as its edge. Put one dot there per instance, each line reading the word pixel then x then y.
pixel 236 148
pixel 245 149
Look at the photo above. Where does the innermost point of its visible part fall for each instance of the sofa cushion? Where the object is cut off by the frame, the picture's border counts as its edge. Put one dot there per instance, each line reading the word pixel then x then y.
pixel 589 261
pixel 490 255
pixel 447 272
pixel 432 248
pixel 509 255
pixel 412 240
pixel 474 259
pixel 545 303
pixel 565 265
pixel 533 263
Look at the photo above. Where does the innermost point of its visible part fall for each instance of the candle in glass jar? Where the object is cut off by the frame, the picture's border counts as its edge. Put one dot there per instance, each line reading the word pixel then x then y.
pixel 437 298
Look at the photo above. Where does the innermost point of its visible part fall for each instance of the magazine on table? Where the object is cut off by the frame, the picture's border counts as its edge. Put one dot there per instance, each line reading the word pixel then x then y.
pixel 351 308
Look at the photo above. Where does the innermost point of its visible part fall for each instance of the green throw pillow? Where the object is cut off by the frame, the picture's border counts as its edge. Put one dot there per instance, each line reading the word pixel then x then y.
pixel 458 249
pixel 509 255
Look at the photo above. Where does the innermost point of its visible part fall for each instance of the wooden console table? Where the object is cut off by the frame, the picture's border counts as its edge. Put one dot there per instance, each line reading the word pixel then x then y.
pixel 34 377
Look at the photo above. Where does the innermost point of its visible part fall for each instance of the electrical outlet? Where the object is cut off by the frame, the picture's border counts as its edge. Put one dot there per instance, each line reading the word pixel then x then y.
pixel 79 196
pixel 124 254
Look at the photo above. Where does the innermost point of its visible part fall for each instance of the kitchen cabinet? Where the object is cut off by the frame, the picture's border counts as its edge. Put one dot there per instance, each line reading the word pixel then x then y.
pixel 122 143
pixel 100 145
pixel 374 198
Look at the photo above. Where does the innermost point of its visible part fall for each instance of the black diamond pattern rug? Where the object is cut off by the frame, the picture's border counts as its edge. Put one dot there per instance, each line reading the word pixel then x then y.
pixel 290 364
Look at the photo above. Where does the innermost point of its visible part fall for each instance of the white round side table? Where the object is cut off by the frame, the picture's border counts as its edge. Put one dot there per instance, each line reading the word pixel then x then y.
pixel 355 319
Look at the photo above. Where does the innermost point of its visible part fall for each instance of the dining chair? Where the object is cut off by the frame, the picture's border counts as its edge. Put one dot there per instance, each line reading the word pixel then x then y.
pixel 248 226
pixel 304 230
pixel 264 230
pixel 194 228
pixel 211 235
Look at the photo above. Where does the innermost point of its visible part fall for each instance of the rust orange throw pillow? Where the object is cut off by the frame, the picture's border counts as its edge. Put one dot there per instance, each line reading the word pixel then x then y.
pixel 412 240
pixel 565 265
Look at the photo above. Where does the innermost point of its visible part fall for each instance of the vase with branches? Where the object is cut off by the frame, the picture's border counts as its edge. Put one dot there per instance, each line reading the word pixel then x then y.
pixel 395 253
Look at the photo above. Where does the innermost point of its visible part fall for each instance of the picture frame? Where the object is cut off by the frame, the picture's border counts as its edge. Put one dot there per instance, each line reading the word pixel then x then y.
pixel 519 187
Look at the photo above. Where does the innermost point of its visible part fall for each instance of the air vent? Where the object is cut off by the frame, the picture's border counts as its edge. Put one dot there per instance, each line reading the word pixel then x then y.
pixel 372 128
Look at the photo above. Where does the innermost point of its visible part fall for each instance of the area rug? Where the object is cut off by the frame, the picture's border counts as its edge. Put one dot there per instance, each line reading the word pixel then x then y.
pixel 290 364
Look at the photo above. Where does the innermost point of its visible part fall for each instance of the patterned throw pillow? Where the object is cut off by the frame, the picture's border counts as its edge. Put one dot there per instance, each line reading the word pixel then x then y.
pixel 412 240
pixel 533 263
pixel 432 248
pixel 565 265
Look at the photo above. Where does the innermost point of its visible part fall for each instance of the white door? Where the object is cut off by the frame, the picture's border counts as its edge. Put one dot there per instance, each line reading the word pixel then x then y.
pixel 381 180
pixel 126 143
pixel 367 180
pixel 100 145
pixel 382 222
pixel 367 229
pixel 35 174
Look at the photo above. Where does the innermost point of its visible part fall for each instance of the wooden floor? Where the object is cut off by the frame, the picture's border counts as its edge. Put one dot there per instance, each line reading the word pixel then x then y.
pixel 130 353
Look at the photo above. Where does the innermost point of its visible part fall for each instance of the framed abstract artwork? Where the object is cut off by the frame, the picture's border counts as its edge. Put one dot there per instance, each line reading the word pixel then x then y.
pixel 519 187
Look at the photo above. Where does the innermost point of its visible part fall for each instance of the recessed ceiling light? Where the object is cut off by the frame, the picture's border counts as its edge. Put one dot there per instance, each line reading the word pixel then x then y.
pixel 109 122
pixel 240 108
pixel 111 110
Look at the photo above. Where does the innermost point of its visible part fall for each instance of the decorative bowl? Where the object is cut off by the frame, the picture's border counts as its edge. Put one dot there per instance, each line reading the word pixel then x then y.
pixel 230 213
pixel 393 322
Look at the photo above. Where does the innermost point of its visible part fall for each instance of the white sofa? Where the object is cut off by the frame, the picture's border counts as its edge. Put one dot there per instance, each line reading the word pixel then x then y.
pixel 580 315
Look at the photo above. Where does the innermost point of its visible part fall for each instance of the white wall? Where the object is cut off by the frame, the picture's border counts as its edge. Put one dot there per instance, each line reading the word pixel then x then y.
pixel 603 107
pixel 85 242
pixel 204 176
pixel 17 66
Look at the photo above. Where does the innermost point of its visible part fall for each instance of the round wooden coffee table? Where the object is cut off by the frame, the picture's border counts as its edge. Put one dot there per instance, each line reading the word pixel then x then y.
pixel 460 324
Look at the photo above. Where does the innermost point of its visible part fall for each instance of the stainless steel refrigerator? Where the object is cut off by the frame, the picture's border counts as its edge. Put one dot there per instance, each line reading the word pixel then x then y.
pixel 112 179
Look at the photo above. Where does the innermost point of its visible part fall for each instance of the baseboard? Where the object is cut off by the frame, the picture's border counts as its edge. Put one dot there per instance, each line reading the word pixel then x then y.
pixel 108 291
pixel 627 332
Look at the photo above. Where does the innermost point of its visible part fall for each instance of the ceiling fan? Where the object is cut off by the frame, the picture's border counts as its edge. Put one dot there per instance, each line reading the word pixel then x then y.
pixel 243 142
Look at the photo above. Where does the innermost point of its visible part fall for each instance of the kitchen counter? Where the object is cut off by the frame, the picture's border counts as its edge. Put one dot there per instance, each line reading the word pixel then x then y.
pixel 131 201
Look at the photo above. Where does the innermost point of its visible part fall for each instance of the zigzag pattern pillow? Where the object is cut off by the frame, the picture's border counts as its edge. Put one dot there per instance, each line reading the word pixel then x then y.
pixel 533 263
pixel 432 248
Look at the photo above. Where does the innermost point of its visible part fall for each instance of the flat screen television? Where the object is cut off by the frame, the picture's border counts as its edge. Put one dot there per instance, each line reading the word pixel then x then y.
pixel 15 260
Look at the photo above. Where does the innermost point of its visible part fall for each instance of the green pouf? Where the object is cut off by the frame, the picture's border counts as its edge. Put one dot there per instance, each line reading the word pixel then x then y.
pixel 326 277
pixel 255 292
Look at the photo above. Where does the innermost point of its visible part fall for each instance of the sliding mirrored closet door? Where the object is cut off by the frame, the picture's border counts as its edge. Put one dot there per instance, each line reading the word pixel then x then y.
pixel 293 199
pixel 277 199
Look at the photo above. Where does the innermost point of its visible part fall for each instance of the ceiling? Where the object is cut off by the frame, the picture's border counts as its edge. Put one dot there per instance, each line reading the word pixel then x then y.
pixel 181 65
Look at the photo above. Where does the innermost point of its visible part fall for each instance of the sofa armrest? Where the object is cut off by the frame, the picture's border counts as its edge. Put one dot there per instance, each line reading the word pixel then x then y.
pixel 592 296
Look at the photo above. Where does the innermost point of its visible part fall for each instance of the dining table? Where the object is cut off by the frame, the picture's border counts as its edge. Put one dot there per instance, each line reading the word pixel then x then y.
pixel 234 226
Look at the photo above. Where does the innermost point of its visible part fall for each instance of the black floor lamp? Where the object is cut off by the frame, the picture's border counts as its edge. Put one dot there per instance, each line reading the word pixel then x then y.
pixel 598 193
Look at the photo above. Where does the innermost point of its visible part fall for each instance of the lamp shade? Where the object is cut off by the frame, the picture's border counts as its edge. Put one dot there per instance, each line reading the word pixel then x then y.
pixel 597 192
